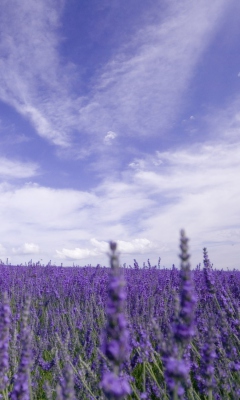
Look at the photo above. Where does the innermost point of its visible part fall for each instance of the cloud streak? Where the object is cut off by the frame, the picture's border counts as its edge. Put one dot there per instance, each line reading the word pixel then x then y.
pixel 17 169
pixel 136 92
pixel 142 87
pixel 32 79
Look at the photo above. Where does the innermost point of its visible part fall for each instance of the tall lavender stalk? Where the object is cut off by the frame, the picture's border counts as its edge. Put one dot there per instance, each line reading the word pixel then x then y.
pixel 184 329
pixel 4 341
pixel 208 273
pixel 115 344
pixel 176 366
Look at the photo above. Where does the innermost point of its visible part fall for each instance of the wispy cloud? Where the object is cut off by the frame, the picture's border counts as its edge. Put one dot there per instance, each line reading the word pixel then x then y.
pixel 17 169
pixel 136 93
pixel 223 123
pixel 109 137
pixel 32 78
pixel 142 87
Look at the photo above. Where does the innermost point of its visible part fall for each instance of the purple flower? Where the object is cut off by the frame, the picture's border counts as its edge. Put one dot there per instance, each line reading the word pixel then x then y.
pixel 176 376
pixel 59 392
pixel 176 367
pixel 21 383
pixel 4 341
pixel 115 387
pixel 46 365
pixel 68 383
pixel 116 336
pixel 208 356
pixel 208 273
pixel 184 328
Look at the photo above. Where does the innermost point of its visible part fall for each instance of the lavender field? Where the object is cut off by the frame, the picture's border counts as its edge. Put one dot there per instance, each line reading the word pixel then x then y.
pixel 120 333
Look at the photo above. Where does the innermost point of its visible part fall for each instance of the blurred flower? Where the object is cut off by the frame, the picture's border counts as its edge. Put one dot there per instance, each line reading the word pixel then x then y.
pixel 115 387
pixel 184 328
pixel 177 368
pixel 21 380
pixel 208 356
pixel 68 383
pixel 116 336
pixel 4 341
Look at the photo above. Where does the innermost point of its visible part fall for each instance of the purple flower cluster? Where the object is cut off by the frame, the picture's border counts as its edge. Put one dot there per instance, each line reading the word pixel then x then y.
pixel 21 386
pixel 176 368
pixel 116 340
pixel 208 273
pixel 184 329
pixel 4 341
pixel 66 390
pixel 208 356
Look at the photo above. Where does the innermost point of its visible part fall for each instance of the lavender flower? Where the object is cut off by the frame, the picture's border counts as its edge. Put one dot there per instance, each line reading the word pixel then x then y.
pixel 116 339
pixel 4 341
pixel 176 374
pixel 208 355
pixel 46 365
pixel 184 329
pixel 68 383
pixel 21 382
pixel 208 273
pixel 176 367
pixel 59 392
pixel 115 387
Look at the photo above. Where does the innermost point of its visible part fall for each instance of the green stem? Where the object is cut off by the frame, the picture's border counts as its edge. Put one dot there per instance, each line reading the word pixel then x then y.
pixel 175 395
pixel 210 395
pixel 144 376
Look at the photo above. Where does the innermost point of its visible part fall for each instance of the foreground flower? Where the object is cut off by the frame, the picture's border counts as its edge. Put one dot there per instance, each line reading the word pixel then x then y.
pixel 4 341
pixel 115 387
pixel 184 329
pixel 176 367
pixel 116 336
pixel 21 380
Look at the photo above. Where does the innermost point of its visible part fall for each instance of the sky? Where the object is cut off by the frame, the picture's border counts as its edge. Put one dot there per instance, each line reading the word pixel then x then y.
pixel 119 120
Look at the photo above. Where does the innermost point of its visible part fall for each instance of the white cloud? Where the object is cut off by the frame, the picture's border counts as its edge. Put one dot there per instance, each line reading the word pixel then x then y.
pixel 137 164
pixel 27 248
pixel 100 246
pixel 127 247
pixel 109 137
pixel 76 254
pixel 44 207
pixel 141 246
pixel 17 169
pixel 194 188
pixel 134 246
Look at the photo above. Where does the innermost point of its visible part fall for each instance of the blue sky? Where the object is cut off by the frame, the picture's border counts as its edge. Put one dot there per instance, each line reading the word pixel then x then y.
pixel 119 121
